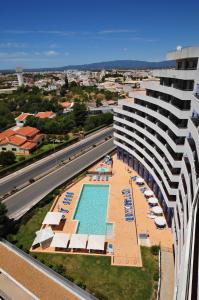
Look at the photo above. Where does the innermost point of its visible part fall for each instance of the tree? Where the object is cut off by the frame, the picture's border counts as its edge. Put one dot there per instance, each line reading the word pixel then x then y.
pixel 3 219
pixel 66 82
pixel 73 84
pixel 79 112
pixel 6 117
pixel 7 158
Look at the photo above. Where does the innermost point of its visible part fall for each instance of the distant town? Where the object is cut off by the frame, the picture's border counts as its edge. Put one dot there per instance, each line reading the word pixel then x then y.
pixel 39 109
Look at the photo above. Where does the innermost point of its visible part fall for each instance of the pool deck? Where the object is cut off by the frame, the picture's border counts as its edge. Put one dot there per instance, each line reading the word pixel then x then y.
pixel 126 248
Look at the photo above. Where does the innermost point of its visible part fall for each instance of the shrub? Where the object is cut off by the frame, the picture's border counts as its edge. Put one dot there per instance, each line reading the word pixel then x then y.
pixel 21 158
pixel 156 276
pixel 100 296
pixel 80 284
pixel 155 250
pixel 60 269
pixel 69 277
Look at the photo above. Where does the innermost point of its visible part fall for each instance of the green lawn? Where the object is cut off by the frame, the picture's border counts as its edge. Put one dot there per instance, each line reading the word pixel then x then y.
pixel 94 273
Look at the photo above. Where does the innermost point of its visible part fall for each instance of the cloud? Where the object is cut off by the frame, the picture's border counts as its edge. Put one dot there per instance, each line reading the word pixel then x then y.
pixel 12 55
pixel 53 32
pixel 111 31
pixel 144 39
pixel 12 45
pixel 51 53
pixel 66 53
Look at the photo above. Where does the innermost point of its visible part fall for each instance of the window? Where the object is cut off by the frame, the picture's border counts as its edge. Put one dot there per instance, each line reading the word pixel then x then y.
pixel 4 149
pixel 14 149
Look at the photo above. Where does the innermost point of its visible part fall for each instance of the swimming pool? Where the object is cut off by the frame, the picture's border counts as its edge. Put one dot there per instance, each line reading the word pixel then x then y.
pixel 102 169
pixel 91 210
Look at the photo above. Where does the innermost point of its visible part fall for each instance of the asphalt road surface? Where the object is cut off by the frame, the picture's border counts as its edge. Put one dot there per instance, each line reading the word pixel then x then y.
pixel 22 176
pixel 23 200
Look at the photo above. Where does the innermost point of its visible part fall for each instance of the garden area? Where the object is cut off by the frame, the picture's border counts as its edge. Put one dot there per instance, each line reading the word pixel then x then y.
pixel 95 274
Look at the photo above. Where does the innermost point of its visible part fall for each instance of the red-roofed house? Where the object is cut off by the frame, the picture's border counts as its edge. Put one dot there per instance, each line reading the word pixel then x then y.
pixel 6 133
pixel 21 141
pixel 21 119
pixel 66 106
pixel 45 115
pixel 27 131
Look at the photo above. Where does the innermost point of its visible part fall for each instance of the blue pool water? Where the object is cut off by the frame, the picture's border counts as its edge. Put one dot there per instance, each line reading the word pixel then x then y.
pixel 102 169
pixel 91 210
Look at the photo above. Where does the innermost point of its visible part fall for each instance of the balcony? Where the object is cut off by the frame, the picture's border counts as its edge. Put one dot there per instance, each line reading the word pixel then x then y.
pixel 178 74
pixel 169 90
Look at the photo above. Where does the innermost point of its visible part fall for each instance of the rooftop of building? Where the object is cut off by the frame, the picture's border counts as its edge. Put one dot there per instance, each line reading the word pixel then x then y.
pixel 22 117
pixel 32 276
pixel 44 114
pixel 181 53
pixel 27 131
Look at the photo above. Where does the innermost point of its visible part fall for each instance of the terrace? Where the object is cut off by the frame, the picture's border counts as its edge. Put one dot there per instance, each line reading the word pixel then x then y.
pixel 123 244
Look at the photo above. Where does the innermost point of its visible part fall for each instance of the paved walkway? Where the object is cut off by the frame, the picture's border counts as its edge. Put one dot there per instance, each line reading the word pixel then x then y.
pixel 167 282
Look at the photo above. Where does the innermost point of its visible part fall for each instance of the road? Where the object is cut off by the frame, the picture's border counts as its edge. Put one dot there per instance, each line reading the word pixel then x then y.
pixel 23 200
pixel 22 176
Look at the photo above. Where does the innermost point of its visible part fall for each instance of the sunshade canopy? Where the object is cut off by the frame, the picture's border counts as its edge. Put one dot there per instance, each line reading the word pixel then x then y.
pixel 153 200
pixel 96 242
pixel 160 221
pixel 60 240
pixel 52 218
pixel 148 193
pixel 78 241
pixel 157 210
pixel 43 235
pixel 139 180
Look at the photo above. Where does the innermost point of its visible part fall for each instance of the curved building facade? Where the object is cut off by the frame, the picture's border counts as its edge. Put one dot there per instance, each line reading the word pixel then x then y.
pixel 156 132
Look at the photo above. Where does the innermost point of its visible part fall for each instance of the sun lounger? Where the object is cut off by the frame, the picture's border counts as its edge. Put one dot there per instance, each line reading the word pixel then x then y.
pixel 64 210
pixel 129 210
pixel 66 202
pixel 129 215
pixel 94 177
pixel 102 177
pixel 126 190
pixel 134 178
pixel 107 178
pixel 71 193
pixel 90 177
pixel 129 219
pixel 127 204
pixel 110 248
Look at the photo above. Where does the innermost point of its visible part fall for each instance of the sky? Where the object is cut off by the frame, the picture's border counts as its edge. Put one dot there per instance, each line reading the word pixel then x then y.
pixel 57 33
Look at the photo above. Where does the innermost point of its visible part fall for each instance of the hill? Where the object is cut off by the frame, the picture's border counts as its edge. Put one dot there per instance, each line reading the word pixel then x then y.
pixel 108 65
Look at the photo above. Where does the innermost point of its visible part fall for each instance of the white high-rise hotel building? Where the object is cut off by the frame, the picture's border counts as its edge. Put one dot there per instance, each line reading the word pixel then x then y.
pixel 157 133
